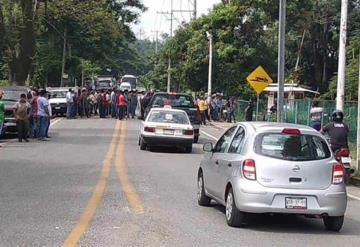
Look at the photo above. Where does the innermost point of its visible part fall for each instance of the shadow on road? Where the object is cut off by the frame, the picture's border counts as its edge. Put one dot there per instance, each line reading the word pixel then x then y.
pixel 295 224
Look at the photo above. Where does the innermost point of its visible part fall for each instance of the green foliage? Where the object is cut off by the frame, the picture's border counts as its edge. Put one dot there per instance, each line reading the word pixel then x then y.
pixel 246 36
pixel 97 34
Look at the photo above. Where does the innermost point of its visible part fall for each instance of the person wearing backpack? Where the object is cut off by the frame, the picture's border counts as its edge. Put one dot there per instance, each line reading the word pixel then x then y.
pixel 21 113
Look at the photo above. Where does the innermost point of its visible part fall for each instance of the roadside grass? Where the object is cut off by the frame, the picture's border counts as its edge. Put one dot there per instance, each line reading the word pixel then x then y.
pixel 4 83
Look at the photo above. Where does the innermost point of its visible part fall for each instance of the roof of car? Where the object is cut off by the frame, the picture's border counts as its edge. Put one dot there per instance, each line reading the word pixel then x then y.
pixel 166 109
pixel 183 94
pixel 17 88
pixel 274 125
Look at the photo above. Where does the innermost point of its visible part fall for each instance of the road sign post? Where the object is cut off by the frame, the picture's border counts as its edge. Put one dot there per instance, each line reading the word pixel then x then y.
pixel 259 80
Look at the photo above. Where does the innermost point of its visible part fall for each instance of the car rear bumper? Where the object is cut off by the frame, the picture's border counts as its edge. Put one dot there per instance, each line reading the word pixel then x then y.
pixel 253 198
pixel 10 125
pixel 167 141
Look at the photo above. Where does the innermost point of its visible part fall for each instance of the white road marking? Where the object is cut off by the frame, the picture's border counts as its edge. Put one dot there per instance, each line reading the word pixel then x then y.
pixel 353 197
pixel 55 122
pixel 208 135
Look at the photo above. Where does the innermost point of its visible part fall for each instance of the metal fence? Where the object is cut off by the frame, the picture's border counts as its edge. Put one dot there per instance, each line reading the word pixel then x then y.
pixel 298 112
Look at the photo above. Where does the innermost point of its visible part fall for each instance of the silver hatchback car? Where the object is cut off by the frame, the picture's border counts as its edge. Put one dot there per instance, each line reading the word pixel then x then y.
pixel 273 168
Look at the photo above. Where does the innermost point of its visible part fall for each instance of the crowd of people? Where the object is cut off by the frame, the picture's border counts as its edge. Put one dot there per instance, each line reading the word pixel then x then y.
pixel 32 113
pixel 105 103
pixel 216 108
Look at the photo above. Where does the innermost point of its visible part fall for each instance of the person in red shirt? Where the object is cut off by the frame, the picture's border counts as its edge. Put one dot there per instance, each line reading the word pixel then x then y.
pixel 122 106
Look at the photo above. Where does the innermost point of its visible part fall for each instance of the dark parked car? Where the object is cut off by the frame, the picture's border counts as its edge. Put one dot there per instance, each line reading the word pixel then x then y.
pixel 11 96
pixel 180 101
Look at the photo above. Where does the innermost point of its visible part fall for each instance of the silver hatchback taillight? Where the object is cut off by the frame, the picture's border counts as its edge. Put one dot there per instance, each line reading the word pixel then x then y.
pixel 338 174
pixel 249 169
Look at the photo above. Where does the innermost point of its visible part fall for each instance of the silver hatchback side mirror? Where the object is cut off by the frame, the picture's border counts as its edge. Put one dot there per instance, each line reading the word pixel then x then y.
pixel 208 147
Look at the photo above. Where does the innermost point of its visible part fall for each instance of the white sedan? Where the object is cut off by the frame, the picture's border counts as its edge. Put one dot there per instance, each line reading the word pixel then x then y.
pixel 166 127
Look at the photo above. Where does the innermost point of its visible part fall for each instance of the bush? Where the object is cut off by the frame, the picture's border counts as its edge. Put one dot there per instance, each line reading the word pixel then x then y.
pixel 3 83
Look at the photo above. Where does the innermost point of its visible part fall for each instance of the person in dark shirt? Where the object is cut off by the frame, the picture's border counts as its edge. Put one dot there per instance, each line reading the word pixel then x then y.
pixel 337 131
pixel 249 111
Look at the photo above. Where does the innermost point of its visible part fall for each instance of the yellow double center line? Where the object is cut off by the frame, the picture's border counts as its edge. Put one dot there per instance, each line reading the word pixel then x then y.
pixel 116 150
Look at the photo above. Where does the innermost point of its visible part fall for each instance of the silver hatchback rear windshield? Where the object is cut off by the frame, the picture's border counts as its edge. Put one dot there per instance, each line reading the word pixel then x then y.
pixel 292 147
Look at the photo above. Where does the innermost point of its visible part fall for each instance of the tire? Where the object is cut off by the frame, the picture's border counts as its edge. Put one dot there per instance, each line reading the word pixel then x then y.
pixel 188 149
pixel 196 139
pixel 142 144
pixel 334 224
pixel 234 217
pixel 203 199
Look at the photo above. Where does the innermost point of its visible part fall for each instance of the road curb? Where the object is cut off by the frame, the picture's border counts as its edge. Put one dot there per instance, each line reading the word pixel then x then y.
pixel 355 181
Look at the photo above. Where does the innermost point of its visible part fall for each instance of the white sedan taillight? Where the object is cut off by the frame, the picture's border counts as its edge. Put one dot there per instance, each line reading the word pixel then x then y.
pixel 249 169
pixel 338 174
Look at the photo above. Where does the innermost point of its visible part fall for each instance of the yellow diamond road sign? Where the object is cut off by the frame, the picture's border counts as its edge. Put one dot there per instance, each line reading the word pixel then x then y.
pixel 259 80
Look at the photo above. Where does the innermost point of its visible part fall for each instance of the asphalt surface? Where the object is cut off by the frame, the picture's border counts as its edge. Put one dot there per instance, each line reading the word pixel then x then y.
pixel 92 186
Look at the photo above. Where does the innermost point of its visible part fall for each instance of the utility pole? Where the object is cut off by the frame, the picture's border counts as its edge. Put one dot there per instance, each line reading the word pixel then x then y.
pixel 171 13
pixel 342 57
pixel 281 61
pixel 210 37
pixel 140 33
pixel 194 4
pixel 358 124
pixel 156 40
pixel 63 60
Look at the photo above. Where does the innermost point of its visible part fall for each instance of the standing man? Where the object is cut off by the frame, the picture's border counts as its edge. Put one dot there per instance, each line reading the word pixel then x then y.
pixel 249 111
pixel 133 103
pixel 43 114
pixel 21 113
pixel 69 103
pixel 2 113
pixel 122 106
pixel 202 109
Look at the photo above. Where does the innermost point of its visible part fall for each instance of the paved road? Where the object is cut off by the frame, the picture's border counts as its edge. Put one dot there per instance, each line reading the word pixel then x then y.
pixel 91 186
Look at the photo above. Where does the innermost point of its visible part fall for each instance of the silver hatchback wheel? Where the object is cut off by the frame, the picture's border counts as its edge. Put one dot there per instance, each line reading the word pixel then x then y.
pixel 200 187
pixel 234 217
pixel 229 206
pixel 203 199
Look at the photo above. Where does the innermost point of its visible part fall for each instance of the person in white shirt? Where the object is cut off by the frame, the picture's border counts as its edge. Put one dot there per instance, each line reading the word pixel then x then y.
pixel 70 103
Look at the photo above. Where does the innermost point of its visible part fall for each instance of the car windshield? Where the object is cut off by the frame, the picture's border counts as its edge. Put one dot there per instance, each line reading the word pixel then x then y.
pixel 292 147
pixel 58 94
pixel 168 117
pixel 106 83
pixel 173 100
pixel 12 95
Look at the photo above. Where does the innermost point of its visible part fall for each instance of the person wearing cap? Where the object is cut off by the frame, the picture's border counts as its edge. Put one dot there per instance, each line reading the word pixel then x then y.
pixel 21 113
pixel 2 112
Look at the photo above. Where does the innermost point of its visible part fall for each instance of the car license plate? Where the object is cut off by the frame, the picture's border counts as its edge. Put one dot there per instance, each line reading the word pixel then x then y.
pixel 57 107
pixel 168 132
pixel 345 159
pixel 295 203
pixel 9 124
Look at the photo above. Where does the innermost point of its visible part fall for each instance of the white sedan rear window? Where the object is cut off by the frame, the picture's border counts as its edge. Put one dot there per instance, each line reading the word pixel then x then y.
pixel 292 147
pixel 168 117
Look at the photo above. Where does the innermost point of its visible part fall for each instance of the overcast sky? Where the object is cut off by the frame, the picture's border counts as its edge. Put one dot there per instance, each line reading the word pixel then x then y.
pixel 151 21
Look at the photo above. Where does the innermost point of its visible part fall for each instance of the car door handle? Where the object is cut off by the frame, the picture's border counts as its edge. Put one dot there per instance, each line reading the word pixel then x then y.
pixel 217 162
pixel 229 164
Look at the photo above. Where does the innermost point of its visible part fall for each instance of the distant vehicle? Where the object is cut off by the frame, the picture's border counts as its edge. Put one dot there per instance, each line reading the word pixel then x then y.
pixel 166 127
pixel 58 100
pixel 130 79
pixel 273 168
pixel 177 101
pixel 11 96
pixel 104 82
pixel 125 86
